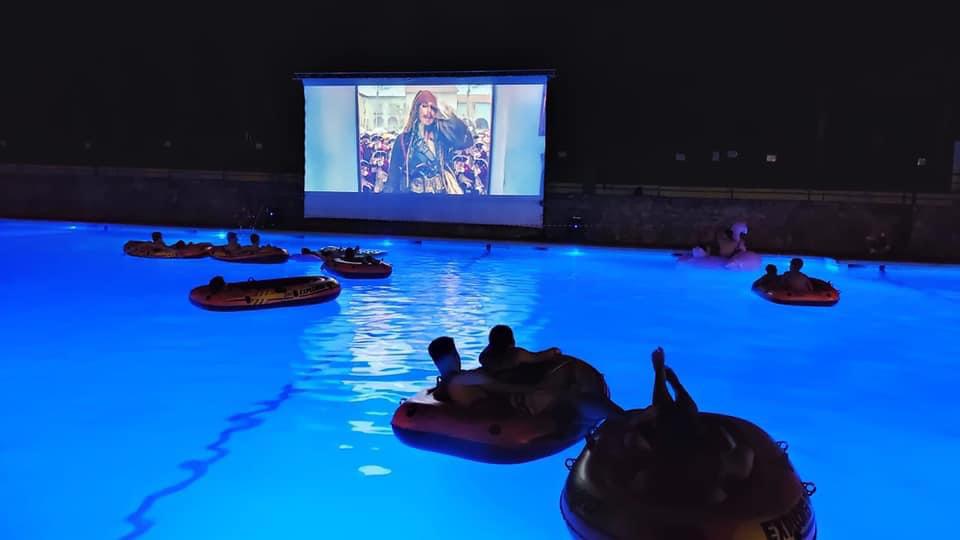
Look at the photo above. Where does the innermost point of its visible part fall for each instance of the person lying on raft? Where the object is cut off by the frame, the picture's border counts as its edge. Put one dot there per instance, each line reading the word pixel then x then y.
pixel 770 280
pixel 727 243
pixel 474 389
pixel 156 238
pixel 693 461
pixel 217 284
pixel 502 352
pixel 348 254
pixel 233 243
pixel 354 255
pixel 796 281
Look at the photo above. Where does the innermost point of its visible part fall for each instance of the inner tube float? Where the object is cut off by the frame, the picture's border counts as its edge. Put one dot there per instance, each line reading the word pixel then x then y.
pixel 369 268
pixel 140 248
pixel 823 294
pixel 262 255
pixel 745 260
pixel 770 504
pixel 427 424
pixel 283 292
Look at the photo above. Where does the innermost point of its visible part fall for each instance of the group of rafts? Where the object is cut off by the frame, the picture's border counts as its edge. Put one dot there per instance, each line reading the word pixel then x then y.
pixel 349 263
pixel 663 472
pixel 726 480
pixel 729 251
pixel 675 497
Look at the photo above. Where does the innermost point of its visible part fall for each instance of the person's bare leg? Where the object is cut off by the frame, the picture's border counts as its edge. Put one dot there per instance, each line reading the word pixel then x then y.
pixel 661 396
pixel 683 398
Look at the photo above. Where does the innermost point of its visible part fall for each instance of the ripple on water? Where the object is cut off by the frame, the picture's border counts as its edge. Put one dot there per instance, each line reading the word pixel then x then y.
pixel 374 470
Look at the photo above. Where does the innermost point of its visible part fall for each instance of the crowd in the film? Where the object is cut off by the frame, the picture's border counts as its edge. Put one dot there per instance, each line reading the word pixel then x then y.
pixel 470 165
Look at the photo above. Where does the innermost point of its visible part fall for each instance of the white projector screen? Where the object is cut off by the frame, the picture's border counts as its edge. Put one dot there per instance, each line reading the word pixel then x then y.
pixel 431 149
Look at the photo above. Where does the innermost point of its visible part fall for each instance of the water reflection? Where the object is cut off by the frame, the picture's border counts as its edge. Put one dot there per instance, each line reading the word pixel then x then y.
pixel 374 470
pixel 374 354
pixel 369 428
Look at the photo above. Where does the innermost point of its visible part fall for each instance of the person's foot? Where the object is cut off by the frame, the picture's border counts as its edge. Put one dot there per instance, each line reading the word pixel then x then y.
pixel 659 359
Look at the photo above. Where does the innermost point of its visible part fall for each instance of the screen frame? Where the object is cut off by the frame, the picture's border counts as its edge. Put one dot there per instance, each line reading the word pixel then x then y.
pixel 331 77
pixel 494 78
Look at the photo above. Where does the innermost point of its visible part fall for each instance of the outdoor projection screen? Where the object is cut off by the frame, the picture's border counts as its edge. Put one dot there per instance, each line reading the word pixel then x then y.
pixel 464 149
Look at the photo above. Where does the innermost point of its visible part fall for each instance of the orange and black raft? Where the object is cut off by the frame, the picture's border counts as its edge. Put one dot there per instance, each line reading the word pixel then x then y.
pixel 771 503
pixel 366 267
pixel 823 294
pixel 506 436
pixel 270 293
pixel 149 250
pixel 261 255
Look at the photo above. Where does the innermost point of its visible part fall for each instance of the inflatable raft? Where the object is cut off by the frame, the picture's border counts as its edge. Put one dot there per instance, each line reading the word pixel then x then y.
pixel 746 260
pixel 506 437
pixel 823 295
pixel 247 295
pixel 145 249
pixel 262 255
pixel 368 268
pixel 771 503
pixel 334 252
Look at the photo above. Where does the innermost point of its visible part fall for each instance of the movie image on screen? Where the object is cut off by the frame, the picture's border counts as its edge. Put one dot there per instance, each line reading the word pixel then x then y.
pixel 434 148
pixel 425 139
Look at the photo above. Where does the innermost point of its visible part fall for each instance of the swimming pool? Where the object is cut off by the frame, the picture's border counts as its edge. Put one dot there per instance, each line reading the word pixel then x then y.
pixel 129 413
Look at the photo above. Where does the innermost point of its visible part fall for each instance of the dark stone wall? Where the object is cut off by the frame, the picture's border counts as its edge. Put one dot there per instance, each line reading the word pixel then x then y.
pixel 925 228
pixel 146 196
pixel 917 231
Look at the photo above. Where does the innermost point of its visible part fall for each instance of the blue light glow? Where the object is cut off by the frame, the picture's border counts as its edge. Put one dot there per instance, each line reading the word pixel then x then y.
pixel 128 412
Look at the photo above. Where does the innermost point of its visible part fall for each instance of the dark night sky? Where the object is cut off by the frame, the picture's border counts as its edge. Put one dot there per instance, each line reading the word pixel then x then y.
pixel 635 85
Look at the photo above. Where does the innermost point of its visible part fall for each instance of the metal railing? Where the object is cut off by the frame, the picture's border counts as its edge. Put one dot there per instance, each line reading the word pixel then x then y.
pixel 147 173
pixel 553 188
pixel 731 193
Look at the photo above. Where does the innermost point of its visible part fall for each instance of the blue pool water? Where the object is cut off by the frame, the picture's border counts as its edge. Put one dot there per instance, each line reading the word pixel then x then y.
pixel 129 413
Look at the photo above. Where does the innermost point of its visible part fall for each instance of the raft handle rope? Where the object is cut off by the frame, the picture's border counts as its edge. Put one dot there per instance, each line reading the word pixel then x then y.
pixel 784 446
pixel 591 437
pixel 810 488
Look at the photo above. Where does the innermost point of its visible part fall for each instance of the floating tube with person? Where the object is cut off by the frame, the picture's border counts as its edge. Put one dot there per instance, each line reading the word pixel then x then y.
pixel 330 253
pixel 252 255
pixel 149 250
pixel 746 260
pixel 824 294
pixel 248 295
pixel 509 437
pixel 334 252
pixel 365 268
pixel 771 503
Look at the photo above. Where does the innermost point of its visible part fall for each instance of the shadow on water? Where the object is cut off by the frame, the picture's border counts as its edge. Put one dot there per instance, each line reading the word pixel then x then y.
pixel 368 310
pixel 198 468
